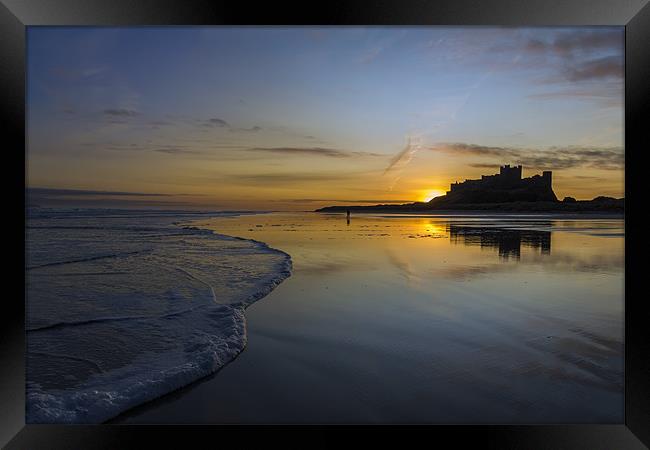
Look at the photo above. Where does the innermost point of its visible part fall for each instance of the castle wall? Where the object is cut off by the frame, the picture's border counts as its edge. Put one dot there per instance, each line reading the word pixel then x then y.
pixel 507 185
pixel 507 177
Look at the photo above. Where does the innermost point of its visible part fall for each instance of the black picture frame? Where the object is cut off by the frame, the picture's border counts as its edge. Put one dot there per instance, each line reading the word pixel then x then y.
pixel 16 15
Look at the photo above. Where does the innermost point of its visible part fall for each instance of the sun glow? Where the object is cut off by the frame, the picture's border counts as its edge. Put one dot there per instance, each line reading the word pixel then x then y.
pixel 432 193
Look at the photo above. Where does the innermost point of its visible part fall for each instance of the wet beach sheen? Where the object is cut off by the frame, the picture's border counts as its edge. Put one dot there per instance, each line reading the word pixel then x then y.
pixel 415 319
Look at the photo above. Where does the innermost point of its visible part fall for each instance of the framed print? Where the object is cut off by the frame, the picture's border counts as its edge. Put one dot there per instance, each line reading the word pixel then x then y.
pixel 415 217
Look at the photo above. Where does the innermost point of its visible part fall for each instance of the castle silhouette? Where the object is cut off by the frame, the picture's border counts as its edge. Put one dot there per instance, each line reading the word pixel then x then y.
pixel 506 186
pixel 504 191
pixel 508 177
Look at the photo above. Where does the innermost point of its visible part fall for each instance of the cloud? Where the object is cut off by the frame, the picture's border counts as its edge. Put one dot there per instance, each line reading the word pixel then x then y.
pixel 552 158
pixel 586 41
pixel 577 56
pixel 574 56
pixel 314 200
pixel 215 122
pixel 607 94
pixel 576 42
pixel 253 129
pixel 121 112
pixel 404 156
pixel 174 150
pixel 474 149
pixel 587 177
pixel 566 158
pixel 86 198
pixel 146 147
pixel 312 151
pixel 284 179
pixel 603 68
pixel 485 165
pixel 53 192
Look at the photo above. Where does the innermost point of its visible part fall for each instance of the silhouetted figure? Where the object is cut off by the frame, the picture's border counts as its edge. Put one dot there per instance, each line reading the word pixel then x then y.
pixel 348 216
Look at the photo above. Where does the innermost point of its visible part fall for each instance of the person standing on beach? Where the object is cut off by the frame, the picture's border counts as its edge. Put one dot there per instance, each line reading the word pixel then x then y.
pixel 348 216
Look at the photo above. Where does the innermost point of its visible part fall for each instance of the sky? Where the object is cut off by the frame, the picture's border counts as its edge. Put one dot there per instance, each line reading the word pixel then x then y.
pixel 296 118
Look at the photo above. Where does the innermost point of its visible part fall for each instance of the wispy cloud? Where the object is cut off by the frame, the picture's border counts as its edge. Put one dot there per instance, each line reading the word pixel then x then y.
pixel 312 151
pixel 609 67
pixel 176 150
pixel 577 56
pixel 314 200
pixel 473 149
pixel 121 112
pixel 485 165
pixel 253 129
pixel 284 178
pixel 551 158
pixel 568 94
pixel 608 94
pixel 404 156
pixel 83 192
pixel 578 41
pixel 147 147
pixel 213 122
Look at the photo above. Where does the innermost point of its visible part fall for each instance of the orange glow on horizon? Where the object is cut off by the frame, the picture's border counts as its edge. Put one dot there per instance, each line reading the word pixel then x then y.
pixel 431 194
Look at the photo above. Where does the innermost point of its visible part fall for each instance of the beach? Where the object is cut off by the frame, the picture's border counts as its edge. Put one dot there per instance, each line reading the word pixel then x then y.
pixel 423 319
pixel 125 306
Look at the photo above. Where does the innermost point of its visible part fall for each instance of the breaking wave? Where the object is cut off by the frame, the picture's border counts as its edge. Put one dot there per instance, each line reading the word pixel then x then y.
pixel 123 307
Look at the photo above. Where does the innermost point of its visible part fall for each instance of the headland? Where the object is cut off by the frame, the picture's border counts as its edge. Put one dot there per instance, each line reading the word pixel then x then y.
pixel 506 191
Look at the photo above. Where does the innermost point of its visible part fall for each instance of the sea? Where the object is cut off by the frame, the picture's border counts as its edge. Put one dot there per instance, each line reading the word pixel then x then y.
pixel 124 306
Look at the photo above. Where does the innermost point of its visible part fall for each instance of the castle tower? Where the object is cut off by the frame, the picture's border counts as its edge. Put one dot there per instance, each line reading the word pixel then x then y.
pixel 510 175
pixel 547 175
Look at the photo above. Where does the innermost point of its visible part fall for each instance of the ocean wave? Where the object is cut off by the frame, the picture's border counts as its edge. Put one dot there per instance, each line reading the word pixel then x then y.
pixel 77 323
pixel 108 330
pixel 108 394
pixel 90 258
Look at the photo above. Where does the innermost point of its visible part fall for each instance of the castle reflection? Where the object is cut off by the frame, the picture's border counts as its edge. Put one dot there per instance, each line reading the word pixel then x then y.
pixel 507 241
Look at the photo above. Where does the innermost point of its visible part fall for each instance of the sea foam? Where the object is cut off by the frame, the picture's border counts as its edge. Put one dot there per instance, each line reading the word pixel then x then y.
pixel 123 307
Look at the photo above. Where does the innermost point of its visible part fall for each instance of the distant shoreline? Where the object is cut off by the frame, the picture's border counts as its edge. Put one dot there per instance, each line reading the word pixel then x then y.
pixel 487 213
pixel 607 206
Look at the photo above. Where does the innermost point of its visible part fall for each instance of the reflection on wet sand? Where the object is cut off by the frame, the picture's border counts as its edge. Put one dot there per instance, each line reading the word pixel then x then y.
pixel 507 241
pixel 401 264
pixel 409 319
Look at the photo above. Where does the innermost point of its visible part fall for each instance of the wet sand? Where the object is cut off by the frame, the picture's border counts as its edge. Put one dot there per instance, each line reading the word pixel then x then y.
pixel 463 319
